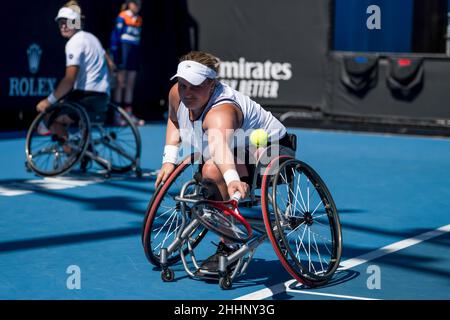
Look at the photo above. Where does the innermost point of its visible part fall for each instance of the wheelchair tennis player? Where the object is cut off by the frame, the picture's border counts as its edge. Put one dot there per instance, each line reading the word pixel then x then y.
pixel 86 79
pixel 200 100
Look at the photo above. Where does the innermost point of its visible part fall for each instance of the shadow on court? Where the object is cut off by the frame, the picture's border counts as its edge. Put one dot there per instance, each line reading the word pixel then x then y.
pixel 124 204
pixel 74 238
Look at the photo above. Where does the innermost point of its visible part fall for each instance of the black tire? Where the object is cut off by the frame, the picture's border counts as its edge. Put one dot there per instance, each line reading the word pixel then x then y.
pixel 225 283
pixel 155 221
pixel 119 145
pixel 167 275
pixel 288 221
pixel 50 155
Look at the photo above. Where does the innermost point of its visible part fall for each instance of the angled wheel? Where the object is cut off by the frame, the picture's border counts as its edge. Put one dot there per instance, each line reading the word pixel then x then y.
pixel 167 275
pixel 225 283
pixel 302 222
pixel 118 145
pixel 55 150
pixel 164 218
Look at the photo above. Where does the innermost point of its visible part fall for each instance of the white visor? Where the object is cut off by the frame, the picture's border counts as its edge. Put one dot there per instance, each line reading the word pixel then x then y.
pixel 67 13
pixel 194 72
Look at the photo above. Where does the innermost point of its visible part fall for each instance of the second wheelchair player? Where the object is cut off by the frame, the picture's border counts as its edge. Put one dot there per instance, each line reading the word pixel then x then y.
pixel 86 80
pixel 200 100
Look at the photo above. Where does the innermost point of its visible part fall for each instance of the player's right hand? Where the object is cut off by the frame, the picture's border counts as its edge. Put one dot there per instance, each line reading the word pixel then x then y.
pixel 238 186
pixel 43 105
pixel 164 173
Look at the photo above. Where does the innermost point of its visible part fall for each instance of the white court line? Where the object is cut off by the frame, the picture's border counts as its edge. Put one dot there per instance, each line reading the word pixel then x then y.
pixel 286 287
pixel 329 295
pixel 351 263
pixel 14 189
pixel 394 247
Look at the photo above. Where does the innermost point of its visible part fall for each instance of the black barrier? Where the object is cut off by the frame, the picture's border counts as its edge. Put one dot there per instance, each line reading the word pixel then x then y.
pixel 273 51
pixel 427 91
pixel 31 65
pixel 405 77
pixel 360 73
pixel 33 61
pixel 33 55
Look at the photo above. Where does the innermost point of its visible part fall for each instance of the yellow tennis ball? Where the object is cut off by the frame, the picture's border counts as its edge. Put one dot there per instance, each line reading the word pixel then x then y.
pixel 259 138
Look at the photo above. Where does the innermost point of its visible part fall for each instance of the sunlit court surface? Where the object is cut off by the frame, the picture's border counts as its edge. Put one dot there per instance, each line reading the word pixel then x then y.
pixel 391 193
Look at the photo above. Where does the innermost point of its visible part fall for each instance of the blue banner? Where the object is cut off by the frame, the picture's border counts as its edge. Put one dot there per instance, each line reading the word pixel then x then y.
pixel 388 29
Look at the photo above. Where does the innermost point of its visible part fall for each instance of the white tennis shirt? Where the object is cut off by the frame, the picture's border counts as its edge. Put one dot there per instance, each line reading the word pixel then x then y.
pixel 85 51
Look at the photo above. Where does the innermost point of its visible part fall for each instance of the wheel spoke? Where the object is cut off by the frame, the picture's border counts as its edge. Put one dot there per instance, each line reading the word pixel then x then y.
pixel 314 211
pixel 302 207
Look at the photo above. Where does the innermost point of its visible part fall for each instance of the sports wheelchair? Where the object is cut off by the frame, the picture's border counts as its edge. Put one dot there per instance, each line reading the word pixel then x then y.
pixel 299 217
pixel 75 139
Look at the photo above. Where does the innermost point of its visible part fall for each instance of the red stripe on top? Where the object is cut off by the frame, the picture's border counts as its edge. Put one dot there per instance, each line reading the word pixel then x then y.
pixel 404 62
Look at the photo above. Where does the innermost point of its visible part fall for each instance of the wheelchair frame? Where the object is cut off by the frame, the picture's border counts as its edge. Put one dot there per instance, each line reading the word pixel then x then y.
pixel 242 257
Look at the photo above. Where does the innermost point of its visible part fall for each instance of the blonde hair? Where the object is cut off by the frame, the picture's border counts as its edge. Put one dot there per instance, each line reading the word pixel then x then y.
pixel 73 4
pixel 204 58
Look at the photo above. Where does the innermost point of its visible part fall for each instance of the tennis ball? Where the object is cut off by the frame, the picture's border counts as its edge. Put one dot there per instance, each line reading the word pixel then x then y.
pixel 259 138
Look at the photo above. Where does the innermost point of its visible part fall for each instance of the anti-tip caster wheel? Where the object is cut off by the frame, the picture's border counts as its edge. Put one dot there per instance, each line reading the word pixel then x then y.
pixel 225 283
pixel 167 275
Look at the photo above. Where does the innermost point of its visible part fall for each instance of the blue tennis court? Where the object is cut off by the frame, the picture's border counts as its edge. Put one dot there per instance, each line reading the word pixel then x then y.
pixel 391 192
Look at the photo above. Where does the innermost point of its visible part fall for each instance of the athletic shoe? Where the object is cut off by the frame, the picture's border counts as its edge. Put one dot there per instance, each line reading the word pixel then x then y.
pixel 211 264
pixel 119 121
pixel 138 122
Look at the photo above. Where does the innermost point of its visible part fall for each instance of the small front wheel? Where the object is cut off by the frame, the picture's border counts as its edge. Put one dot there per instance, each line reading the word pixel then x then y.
pixel 167 275
pixel 225 283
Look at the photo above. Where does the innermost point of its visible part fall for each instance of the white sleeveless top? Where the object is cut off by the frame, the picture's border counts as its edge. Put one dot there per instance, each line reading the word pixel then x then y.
pixel 254 117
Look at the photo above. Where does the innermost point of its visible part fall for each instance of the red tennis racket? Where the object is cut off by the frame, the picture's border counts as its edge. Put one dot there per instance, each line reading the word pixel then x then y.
pixel 224 218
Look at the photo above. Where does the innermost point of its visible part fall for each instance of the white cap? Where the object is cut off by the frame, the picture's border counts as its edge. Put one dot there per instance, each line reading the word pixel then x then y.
pixel 67 13
pixel 194 72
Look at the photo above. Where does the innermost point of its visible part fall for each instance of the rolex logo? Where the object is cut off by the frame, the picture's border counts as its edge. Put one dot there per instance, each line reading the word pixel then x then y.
pixel 34 58
pixel 31 86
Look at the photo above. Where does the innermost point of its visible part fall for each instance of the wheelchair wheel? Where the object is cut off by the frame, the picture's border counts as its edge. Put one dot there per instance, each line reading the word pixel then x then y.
pixel 119 145
pixel 164 218
pixel 302 222
pixel 55 153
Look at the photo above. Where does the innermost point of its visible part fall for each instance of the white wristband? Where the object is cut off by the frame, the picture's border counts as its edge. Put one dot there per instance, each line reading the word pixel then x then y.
pixel 231 175
pixel 170 154
pixel 52 99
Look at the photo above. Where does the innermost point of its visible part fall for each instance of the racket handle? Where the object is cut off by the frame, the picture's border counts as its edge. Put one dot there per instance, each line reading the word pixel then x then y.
pixel 236 196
